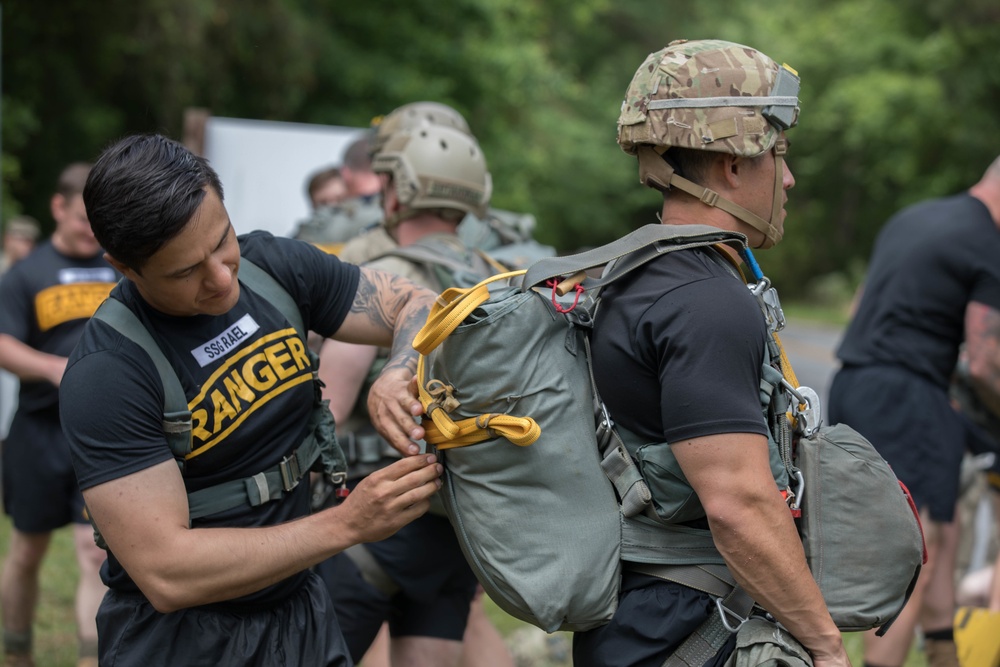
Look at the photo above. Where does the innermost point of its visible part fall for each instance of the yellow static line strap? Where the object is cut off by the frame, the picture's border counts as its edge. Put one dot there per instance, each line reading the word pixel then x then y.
pixel 445 433
pixel 448 312
pixel 450 309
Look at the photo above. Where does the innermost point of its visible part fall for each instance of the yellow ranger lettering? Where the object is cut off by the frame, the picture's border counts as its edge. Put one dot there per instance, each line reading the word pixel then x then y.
pixel 258 374
pixel 252 377
pixel 238 389
pixel 65 303
pixel 223 408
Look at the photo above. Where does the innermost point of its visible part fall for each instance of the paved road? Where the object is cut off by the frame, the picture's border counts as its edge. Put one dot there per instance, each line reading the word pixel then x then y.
pixel 810 348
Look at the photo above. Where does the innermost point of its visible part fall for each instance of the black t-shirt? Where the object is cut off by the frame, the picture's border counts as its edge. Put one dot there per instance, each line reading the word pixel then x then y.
pixel 678 348
pixel 929 261
pixel 246 376
pixel 45 301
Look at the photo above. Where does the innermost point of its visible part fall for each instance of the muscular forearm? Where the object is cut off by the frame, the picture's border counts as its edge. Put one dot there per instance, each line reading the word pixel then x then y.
pixel 758 539
pixel 144 518
pixel 411 319
pixel 205 565
pixel 29 364
pixel 754 532
pixel 982 344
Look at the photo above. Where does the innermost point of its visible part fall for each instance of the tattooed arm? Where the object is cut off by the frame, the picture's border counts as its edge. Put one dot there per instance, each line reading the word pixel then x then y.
pixel 388 310
pixel 982 340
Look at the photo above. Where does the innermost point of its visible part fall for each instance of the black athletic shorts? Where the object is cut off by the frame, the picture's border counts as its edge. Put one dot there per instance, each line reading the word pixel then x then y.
pixel 435 586
pixel 40 492
pixel 912 424
pixel 653 618
pixel 299 630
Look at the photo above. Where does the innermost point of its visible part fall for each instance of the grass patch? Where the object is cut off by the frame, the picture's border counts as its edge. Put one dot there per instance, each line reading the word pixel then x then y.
pixel 55 626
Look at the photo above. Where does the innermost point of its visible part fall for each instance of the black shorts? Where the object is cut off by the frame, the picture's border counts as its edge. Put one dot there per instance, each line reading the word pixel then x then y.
pixel 40 492
pixel 299 630
pixel 435 586
pixel 653 618
pixel 912 424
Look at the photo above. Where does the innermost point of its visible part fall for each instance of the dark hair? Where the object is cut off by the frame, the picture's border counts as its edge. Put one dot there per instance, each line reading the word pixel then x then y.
pixel 321 178
pixel 72 179
pixel 691 163
pixel 358 157
pixel 141 193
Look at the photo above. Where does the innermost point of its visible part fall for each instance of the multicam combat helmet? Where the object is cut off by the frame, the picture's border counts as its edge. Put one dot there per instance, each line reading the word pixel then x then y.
pixel 709 95
pixel 435 167
pixel 412 115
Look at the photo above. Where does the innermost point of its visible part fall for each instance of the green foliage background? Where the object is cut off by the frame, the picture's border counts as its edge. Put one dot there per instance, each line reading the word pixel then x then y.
pixel 900 98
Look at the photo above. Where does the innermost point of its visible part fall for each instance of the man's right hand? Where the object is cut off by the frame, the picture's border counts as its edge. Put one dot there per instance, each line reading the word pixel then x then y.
pixel 392 497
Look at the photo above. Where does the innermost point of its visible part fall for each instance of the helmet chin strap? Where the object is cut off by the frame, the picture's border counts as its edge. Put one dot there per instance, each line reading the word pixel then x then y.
pixel 655 172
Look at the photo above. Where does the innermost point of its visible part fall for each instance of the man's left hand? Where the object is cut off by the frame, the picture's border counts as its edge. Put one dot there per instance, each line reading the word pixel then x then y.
pixel 392 406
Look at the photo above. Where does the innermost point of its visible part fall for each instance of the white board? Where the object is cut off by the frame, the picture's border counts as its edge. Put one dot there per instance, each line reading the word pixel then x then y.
pixel 264 166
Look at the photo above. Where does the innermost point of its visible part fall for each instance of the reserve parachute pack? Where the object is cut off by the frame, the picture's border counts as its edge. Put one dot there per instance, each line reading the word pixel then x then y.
pixel 507 236
pixel 449 263
pixel 545 493
pixel 318 452
pixel 330 227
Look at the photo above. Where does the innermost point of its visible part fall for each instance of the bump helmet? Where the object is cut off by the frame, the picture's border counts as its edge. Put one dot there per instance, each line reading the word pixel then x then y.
pixel 414 115
pixel 435 167
pixel 711 95
pixel 715 96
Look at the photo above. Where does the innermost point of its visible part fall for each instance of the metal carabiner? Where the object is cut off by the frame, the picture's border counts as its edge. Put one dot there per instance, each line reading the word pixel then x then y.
pixel 726 614
pixel 770 304
pixel 808 419
pixel 795 498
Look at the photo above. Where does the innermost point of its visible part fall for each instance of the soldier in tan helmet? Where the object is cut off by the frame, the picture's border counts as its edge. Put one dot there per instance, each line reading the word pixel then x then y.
pixel 433 174
pixel 678 348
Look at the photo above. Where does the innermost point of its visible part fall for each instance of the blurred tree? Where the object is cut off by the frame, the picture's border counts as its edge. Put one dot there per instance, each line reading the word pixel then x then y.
pixel 899 97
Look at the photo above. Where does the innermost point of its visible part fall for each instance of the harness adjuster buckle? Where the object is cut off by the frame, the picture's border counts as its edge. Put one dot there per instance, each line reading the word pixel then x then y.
pixel 727 614
pixel 709 197
pixel 290 472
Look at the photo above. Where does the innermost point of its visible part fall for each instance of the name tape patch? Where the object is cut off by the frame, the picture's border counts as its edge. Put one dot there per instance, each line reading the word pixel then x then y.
pixel 225 342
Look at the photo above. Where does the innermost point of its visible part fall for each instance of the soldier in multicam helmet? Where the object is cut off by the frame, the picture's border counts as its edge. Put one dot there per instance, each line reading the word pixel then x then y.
pixel 678 348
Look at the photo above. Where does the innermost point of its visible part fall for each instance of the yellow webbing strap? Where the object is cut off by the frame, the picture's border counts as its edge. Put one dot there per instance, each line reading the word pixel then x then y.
pixel 789 373
pixel 449 311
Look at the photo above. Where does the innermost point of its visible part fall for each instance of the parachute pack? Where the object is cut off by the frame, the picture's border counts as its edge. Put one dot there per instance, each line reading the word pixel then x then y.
pixel 507 236
pixel 330 227
pixel 544 491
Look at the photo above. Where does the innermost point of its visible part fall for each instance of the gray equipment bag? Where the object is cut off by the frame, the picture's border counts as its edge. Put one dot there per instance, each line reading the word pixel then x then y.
pixel 540 524
pixel 762 643
pixel 867 567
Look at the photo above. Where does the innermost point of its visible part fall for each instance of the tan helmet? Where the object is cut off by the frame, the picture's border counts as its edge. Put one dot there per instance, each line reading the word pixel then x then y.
pixel 435 167
pixel 709 95
pixel 414 115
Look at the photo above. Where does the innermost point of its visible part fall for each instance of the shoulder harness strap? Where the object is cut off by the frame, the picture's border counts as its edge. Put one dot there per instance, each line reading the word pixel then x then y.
pixel 271 484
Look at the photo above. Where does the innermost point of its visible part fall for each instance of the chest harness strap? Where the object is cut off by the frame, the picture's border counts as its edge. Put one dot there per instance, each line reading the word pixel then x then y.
pixel 319 445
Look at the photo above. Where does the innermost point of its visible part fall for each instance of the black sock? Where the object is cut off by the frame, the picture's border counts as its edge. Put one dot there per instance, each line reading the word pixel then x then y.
pixel 947 634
